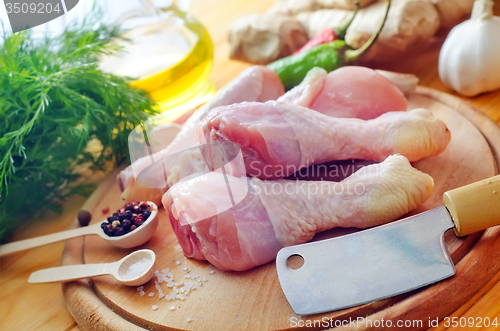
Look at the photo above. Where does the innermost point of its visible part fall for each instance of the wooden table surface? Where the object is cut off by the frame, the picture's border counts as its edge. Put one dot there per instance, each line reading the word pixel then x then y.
pixel 25 306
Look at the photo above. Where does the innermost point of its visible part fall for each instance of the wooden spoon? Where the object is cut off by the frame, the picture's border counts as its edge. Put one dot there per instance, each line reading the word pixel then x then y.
pixel 134 238
pixel 134 269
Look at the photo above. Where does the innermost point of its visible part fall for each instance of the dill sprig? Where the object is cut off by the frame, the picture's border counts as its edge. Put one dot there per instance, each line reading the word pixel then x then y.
pixel 54 103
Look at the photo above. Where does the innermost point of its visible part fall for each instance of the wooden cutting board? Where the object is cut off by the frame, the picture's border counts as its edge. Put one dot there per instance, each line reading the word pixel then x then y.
pixel 253 300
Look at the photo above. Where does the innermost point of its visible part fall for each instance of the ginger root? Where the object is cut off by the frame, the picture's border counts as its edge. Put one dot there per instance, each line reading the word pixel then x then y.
pixel 262 38
pixel 452 11
pixel 409 23
pixel 294 7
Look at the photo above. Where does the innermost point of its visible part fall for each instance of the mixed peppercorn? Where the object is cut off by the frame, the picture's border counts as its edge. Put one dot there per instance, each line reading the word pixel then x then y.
pixel 127 219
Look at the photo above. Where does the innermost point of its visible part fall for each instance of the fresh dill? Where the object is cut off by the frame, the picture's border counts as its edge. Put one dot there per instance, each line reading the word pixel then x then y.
pixel 54 103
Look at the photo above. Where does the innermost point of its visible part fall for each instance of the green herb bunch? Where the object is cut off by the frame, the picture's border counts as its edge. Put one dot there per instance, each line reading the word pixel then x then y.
pixel 55 103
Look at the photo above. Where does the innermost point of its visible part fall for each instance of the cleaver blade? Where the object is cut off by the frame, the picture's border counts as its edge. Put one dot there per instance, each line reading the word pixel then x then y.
pixel 387 260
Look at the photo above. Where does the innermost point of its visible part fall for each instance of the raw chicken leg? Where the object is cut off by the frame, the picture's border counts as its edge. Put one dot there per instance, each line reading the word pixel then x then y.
pixel 257 83
pixel 349 92
pixel 279 139
pixel 280 213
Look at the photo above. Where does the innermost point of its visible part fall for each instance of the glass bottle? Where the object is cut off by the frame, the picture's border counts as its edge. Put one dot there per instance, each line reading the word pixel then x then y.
pixel 168 53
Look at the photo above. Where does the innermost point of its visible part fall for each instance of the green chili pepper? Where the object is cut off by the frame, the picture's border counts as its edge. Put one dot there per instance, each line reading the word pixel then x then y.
pixel 293 69
pixel 329 56
pixel 341 31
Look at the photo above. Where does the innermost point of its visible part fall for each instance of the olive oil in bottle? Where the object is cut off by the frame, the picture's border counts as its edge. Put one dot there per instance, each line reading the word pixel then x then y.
pixel 169 54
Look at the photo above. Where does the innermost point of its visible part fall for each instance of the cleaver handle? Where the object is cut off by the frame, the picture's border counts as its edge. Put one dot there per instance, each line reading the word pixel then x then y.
pixel 474 207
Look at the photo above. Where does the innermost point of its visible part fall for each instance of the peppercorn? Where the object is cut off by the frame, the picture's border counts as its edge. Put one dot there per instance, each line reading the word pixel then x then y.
pixel 109 230
pixel 119 231
pixel 84 217
pixel 139 218
pixel 126 224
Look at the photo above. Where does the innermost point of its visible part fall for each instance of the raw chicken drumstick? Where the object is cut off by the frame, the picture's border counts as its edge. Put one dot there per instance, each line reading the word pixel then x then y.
pixel 278 139
pixel 279 213
pixel 349 92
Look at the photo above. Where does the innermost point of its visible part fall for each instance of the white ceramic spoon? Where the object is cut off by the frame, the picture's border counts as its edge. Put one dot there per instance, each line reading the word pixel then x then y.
pixel 133 238
pixel 134 269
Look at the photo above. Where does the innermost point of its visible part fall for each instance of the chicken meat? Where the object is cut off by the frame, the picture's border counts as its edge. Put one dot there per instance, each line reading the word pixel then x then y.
pixel 348 92
pixel 269 215
pixel 279 139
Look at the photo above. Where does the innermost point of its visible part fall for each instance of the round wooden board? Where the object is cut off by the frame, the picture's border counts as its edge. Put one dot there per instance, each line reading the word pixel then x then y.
pixel 253 300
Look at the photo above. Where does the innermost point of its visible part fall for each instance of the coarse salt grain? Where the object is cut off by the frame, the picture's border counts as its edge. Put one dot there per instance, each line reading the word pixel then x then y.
pixel 177 262
pixel 154 307
pixel 141 293
pixel 189 319
pixel 138 268
pixel 179 290
pixel 160 291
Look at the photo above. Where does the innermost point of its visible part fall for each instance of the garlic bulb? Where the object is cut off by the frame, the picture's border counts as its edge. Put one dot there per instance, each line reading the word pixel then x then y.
pixel 469 61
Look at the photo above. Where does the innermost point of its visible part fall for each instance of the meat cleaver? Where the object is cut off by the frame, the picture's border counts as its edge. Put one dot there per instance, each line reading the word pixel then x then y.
pixel 387 260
